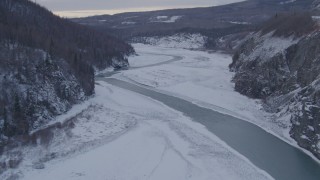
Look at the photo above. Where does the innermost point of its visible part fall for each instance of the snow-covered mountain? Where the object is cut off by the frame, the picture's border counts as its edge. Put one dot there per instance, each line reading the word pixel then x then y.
pixel 280 64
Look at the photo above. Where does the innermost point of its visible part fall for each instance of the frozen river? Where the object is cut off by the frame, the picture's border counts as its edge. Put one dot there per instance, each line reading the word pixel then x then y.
pixel 276 157
pixel 268 152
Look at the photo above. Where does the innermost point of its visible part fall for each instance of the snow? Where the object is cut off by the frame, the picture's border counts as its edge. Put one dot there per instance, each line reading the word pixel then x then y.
pixel 161 17
pixel 130 17
pixel 269 46
pixel 165 19
pixel 119 134
pixel 128 23
pixel 204 79
pixel 304 137
pixel 311 128
pixel 180 40
pixel 151 59
pixel 239 22
pixel 316 17
pixel 123 135
pixel 287 2
pixel 76 109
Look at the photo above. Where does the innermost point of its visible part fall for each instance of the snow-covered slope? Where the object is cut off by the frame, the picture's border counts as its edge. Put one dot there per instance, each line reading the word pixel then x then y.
pixel 180 40
pixel 282 67
pixel 268 46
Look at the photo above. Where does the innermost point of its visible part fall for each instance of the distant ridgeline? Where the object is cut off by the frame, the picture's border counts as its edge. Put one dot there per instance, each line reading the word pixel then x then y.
pixel 222 26
pixel 280 64
pixel 47 64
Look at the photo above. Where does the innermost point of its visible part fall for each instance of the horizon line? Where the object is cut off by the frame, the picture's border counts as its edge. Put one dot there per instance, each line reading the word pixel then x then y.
pixel 97 12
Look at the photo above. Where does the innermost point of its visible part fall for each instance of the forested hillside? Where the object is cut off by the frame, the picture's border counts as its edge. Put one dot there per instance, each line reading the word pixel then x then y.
pixel 47 64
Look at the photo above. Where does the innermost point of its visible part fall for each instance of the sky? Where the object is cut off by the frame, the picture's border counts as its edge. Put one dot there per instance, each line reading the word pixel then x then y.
pixel 79 8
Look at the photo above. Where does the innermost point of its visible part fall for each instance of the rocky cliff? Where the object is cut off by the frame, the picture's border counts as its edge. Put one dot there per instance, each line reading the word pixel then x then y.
pixel 281 65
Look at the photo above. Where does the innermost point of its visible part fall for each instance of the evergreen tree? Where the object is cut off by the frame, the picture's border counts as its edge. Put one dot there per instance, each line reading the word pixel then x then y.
pixel 19 118
pixel 17 107
pixel 5 118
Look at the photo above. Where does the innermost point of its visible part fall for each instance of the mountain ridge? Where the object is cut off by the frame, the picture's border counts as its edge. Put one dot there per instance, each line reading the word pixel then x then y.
pixel 213 22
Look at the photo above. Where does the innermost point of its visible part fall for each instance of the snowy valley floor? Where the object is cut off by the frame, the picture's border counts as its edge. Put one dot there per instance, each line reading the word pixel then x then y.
pixel 121 135
pixel 204 79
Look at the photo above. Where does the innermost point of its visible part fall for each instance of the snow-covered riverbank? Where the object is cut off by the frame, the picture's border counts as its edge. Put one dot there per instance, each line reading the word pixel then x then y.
pixel 124 135
pixel 203 78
